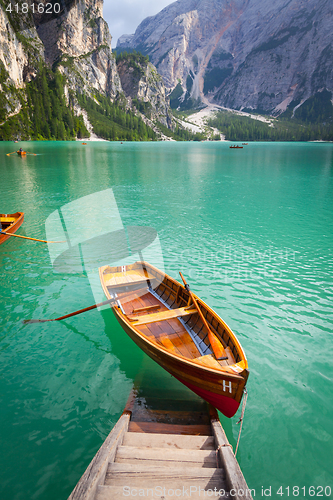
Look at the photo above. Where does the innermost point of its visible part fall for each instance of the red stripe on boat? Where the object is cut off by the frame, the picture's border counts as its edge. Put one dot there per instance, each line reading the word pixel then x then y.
pixel 225 405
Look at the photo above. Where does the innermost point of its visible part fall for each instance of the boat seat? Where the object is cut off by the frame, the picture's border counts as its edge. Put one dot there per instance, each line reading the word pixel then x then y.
pixel 162 315
pixel 8 220
pixel 146 308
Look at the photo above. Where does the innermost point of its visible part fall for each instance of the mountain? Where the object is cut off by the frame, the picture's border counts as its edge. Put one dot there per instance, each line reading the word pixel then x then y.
pixel 258 55
pixel 47 61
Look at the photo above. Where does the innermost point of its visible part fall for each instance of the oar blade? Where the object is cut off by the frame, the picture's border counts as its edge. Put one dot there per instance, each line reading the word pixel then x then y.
pixel 217 347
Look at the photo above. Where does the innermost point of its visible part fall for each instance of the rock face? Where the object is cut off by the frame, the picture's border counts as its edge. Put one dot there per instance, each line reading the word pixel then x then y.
pixel 254 54
pixel 18 62
pixel 144 86
pixel 78 43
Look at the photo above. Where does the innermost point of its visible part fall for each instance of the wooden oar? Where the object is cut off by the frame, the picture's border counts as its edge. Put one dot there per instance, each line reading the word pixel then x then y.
pixel 8 154
pixel 71 314
pixel 27 238
pixel 218 349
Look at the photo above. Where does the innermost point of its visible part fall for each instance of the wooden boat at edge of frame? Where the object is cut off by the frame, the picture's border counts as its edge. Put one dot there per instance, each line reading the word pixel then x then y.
pixel 10 223
pixel 158 315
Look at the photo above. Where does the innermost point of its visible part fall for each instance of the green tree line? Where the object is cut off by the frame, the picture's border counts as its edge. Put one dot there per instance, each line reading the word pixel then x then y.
pixel 45 114
pixel 243 128
pixel 112 122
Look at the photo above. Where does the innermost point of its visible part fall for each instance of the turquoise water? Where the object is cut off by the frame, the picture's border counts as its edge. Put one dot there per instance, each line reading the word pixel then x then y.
pixel 252 230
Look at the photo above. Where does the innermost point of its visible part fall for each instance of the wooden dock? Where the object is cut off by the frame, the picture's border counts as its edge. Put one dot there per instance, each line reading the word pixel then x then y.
pixel 158 452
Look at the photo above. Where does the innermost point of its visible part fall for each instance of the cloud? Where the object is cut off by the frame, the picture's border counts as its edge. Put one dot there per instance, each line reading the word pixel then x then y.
pixel 125 16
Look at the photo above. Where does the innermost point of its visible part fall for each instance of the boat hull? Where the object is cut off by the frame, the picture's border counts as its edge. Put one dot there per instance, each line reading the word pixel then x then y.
pixel 223 391
pixel 19 217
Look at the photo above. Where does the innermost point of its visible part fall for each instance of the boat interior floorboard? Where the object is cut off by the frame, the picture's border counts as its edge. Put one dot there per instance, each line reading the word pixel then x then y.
pixel 170 333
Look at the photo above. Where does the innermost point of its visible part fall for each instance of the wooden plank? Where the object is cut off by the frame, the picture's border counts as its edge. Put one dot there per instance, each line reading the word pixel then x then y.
pixel 231 358
pixel 146 308
pixel 9 220
pixel 167 491
pixel 128 471
pixel 166 342
pixel 166 457
pixel 180 339
pixel 175 324
pixel 188 343
pixel 160 428
pixel 155 329
pixel 146 331
pixel 208 360
pixel 95 473
pixel 234 476
pixel 177 441
pixel 162 316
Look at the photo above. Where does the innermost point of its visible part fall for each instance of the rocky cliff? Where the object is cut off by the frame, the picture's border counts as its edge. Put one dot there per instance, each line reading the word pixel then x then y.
pixel 19 56
pixel 242 54
pixel 144 87
pixel 77 43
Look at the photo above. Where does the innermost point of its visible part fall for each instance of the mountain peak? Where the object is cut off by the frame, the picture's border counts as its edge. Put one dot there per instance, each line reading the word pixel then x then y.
pixel 253 54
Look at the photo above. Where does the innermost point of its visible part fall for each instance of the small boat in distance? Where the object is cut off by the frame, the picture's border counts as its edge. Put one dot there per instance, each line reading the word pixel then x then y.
pixel 10 223
pixel 245 143
pixel 161 317
pixel 236 147
pixel 84 144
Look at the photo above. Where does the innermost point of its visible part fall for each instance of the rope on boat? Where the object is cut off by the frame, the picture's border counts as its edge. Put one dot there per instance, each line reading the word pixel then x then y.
pixel 240 421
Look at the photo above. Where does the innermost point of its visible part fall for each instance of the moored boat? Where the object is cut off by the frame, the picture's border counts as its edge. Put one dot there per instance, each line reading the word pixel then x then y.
pixel 10 224
pixel 160 316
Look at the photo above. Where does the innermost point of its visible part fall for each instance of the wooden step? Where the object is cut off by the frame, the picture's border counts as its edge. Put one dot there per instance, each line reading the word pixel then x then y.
pixel 170 491
pixel 144 414
pixel 169 441
pixel 166 457
pixel 120 474
pixel 161 428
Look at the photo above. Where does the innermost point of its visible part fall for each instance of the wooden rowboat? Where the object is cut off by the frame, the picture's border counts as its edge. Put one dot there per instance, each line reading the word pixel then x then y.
pixel 21 153
pixel 10 223
pixel 236 147
pixel 158 314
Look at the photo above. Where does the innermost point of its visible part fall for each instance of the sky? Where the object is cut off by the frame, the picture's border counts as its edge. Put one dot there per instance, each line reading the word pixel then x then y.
pixel 124 16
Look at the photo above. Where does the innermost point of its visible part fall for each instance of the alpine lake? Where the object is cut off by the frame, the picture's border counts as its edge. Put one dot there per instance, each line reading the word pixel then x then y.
pixel 252 231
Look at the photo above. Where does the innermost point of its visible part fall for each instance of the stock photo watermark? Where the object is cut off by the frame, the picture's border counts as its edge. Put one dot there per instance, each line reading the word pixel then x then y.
pixel 197 491
pixel 229 264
